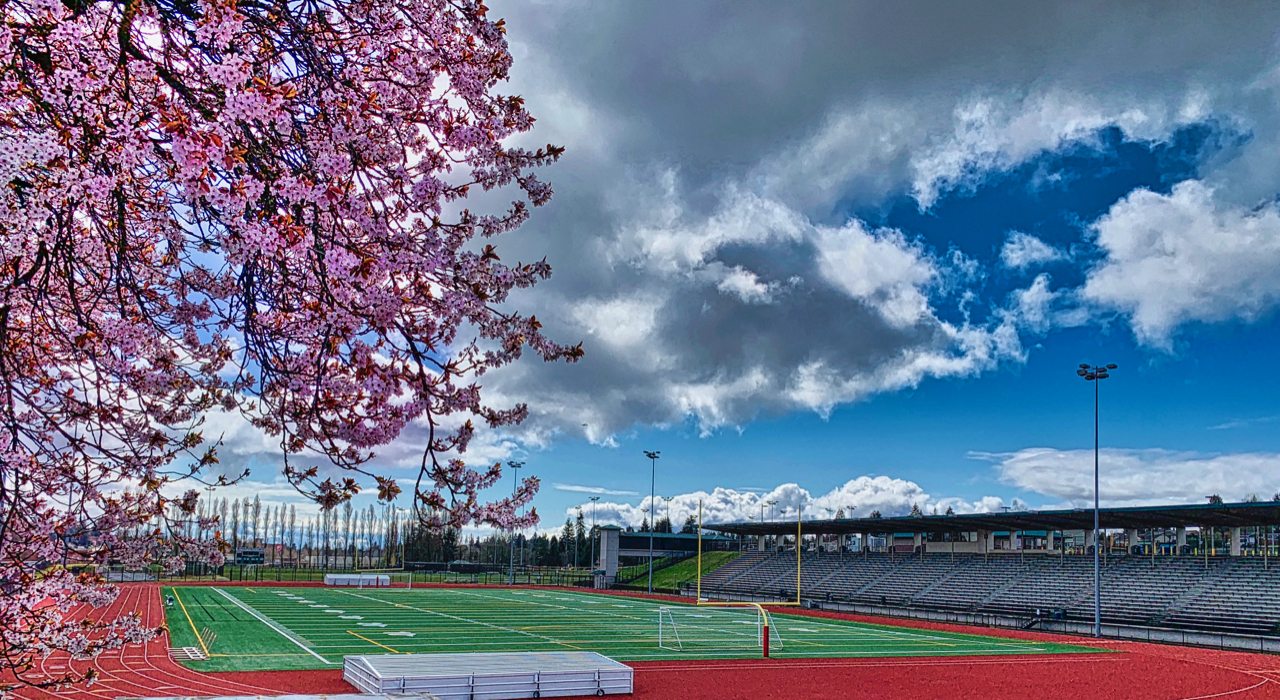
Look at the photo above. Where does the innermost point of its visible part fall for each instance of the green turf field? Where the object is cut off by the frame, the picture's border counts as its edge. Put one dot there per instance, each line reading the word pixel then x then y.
pixel 294 628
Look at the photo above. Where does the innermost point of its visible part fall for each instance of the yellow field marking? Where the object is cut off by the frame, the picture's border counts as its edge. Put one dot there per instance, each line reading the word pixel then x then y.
pixel 189 622
pixel 251 590
pixel 384 646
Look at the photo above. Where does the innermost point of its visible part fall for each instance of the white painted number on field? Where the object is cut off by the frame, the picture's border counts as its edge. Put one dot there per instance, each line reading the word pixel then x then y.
pixel 352 617
pixel 331 610
pixel 400 634
pixel 371 624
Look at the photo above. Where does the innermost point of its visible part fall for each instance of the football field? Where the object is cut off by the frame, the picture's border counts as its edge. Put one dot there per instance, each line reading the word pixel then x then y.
pixel 266 628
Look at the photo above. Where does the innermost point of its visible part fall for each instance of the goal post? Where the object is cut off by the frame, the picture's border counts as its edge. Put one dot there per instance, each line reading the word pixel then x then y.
pixel 400 579
pixel 729 629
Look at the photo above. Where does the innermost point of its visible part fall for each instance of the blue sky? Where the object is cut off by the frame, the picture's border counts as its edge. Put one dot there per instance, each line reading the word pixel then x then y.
pixel 849 256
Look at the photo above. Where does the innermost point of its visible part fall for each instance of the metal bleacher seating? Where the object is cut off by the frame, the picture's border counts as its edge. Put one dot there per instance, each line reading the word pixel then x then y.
pixel 1224 594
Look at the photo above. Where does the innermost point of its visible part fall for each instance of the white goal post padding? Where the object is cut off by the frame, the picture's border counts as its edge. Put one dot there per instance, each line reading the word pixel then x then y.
pixel 712 629
pixel 358 580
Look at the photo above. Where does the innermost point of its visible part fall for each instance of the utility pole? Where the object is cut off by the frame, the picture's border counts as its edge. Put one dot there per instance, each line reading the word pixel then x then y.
pixel 1096 375
pixel 653 476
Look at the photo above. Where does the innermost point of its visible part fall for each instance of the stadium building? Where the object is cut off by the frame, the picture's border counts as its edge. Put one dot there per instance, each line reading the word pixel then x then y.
pixel 1198 574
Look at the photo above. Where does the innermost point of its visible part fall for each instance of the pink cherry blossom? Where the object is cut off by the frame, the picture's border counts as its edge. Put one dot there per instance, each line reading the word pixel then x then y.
pixel 226 206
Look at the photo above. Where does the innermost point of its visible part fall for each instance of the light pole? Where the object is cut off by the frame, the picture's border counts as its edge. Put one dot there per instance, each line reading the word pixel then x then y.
pixel 1096 374
pixel 653 476
pixel 771 505
pixel 671 528
pixel 593 532
pixel 511 559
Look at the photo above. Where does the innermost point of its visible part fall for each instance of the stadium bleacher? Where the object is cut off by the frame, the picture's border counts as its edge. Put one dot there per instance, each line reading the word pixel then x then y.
pixel 1222 594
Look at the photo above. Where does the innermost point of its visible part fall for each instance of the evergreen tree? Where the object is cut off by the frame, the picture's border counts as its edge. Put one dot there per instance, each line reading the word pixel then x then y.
pixel 580 539
pixel 566 542
pixel 690 526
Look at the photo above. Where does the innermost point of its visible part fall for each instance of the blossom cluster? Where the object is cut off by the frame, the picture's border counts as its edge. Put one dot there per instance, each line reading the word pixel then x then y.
pixel 234 206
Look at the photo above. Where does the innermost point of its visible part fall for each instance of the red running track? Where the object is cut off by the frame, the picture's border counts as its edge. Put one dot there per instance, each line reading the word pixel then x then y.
pixel 1136 671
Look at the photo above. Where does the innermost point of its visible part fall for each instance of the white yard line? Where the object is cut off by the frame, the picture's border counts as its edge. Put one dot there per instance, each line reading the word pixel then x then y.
pixel 463 619
pixel 273 626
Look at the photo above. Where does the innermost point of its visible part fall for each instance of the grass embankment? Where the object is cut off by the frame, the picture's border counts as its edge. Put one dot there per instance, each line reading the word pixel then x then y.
pixel 687 570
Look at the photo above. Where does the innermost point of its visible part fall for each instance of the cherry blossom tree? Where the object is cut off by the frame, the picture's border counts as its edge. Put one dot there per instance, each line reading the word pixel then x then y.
pixel 244 206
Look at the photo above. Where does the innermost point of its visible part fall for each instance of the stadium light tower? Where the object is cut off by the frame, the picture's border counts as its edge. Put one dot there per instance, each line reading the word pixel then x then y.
pixel 511 563
pixel 653 476
pixel 1096 374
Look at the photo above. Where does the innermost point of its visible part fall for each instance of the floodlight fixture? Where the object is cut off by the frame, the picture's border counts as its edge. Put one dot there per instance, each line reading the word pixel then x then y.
pixel 1096 373
pixel 653 476
pixel 511 556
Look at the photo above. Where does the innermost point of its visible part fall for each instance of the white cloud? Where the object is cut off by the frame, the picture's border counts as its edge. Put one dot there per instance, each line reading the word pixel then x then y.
pixel 857 498
pixel 1138 477
pixel 746 286
pixel 599 490
pixel 1185 257
pixel 1244 422
pixel 1023 250
pixel 997 133
pixel 1038 308
pixel 882 269
pixel 1032 305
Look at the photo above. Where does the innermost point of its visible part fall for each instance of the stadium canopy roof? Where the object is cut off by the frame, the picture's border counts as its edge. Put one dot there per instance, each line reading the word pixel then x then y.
pixel 1211 514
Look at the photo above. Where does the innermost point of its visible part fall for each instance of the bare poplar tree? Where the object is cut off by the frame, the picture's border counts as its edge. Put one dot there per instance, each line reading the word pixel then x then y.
pixel 235 524
pixel 346 531
pixel 293 530
pixel 257 519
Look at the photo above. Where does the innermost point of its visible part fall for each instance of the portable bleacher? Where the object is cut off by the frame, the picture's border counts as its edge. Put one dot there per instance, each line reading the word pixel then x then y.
pixel 494 676
pixel 358 580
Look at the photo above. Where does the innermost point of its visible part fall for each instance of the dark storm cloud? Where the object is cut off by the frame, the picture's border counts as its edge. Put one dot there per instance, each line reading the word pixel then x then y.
pixel 698 233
